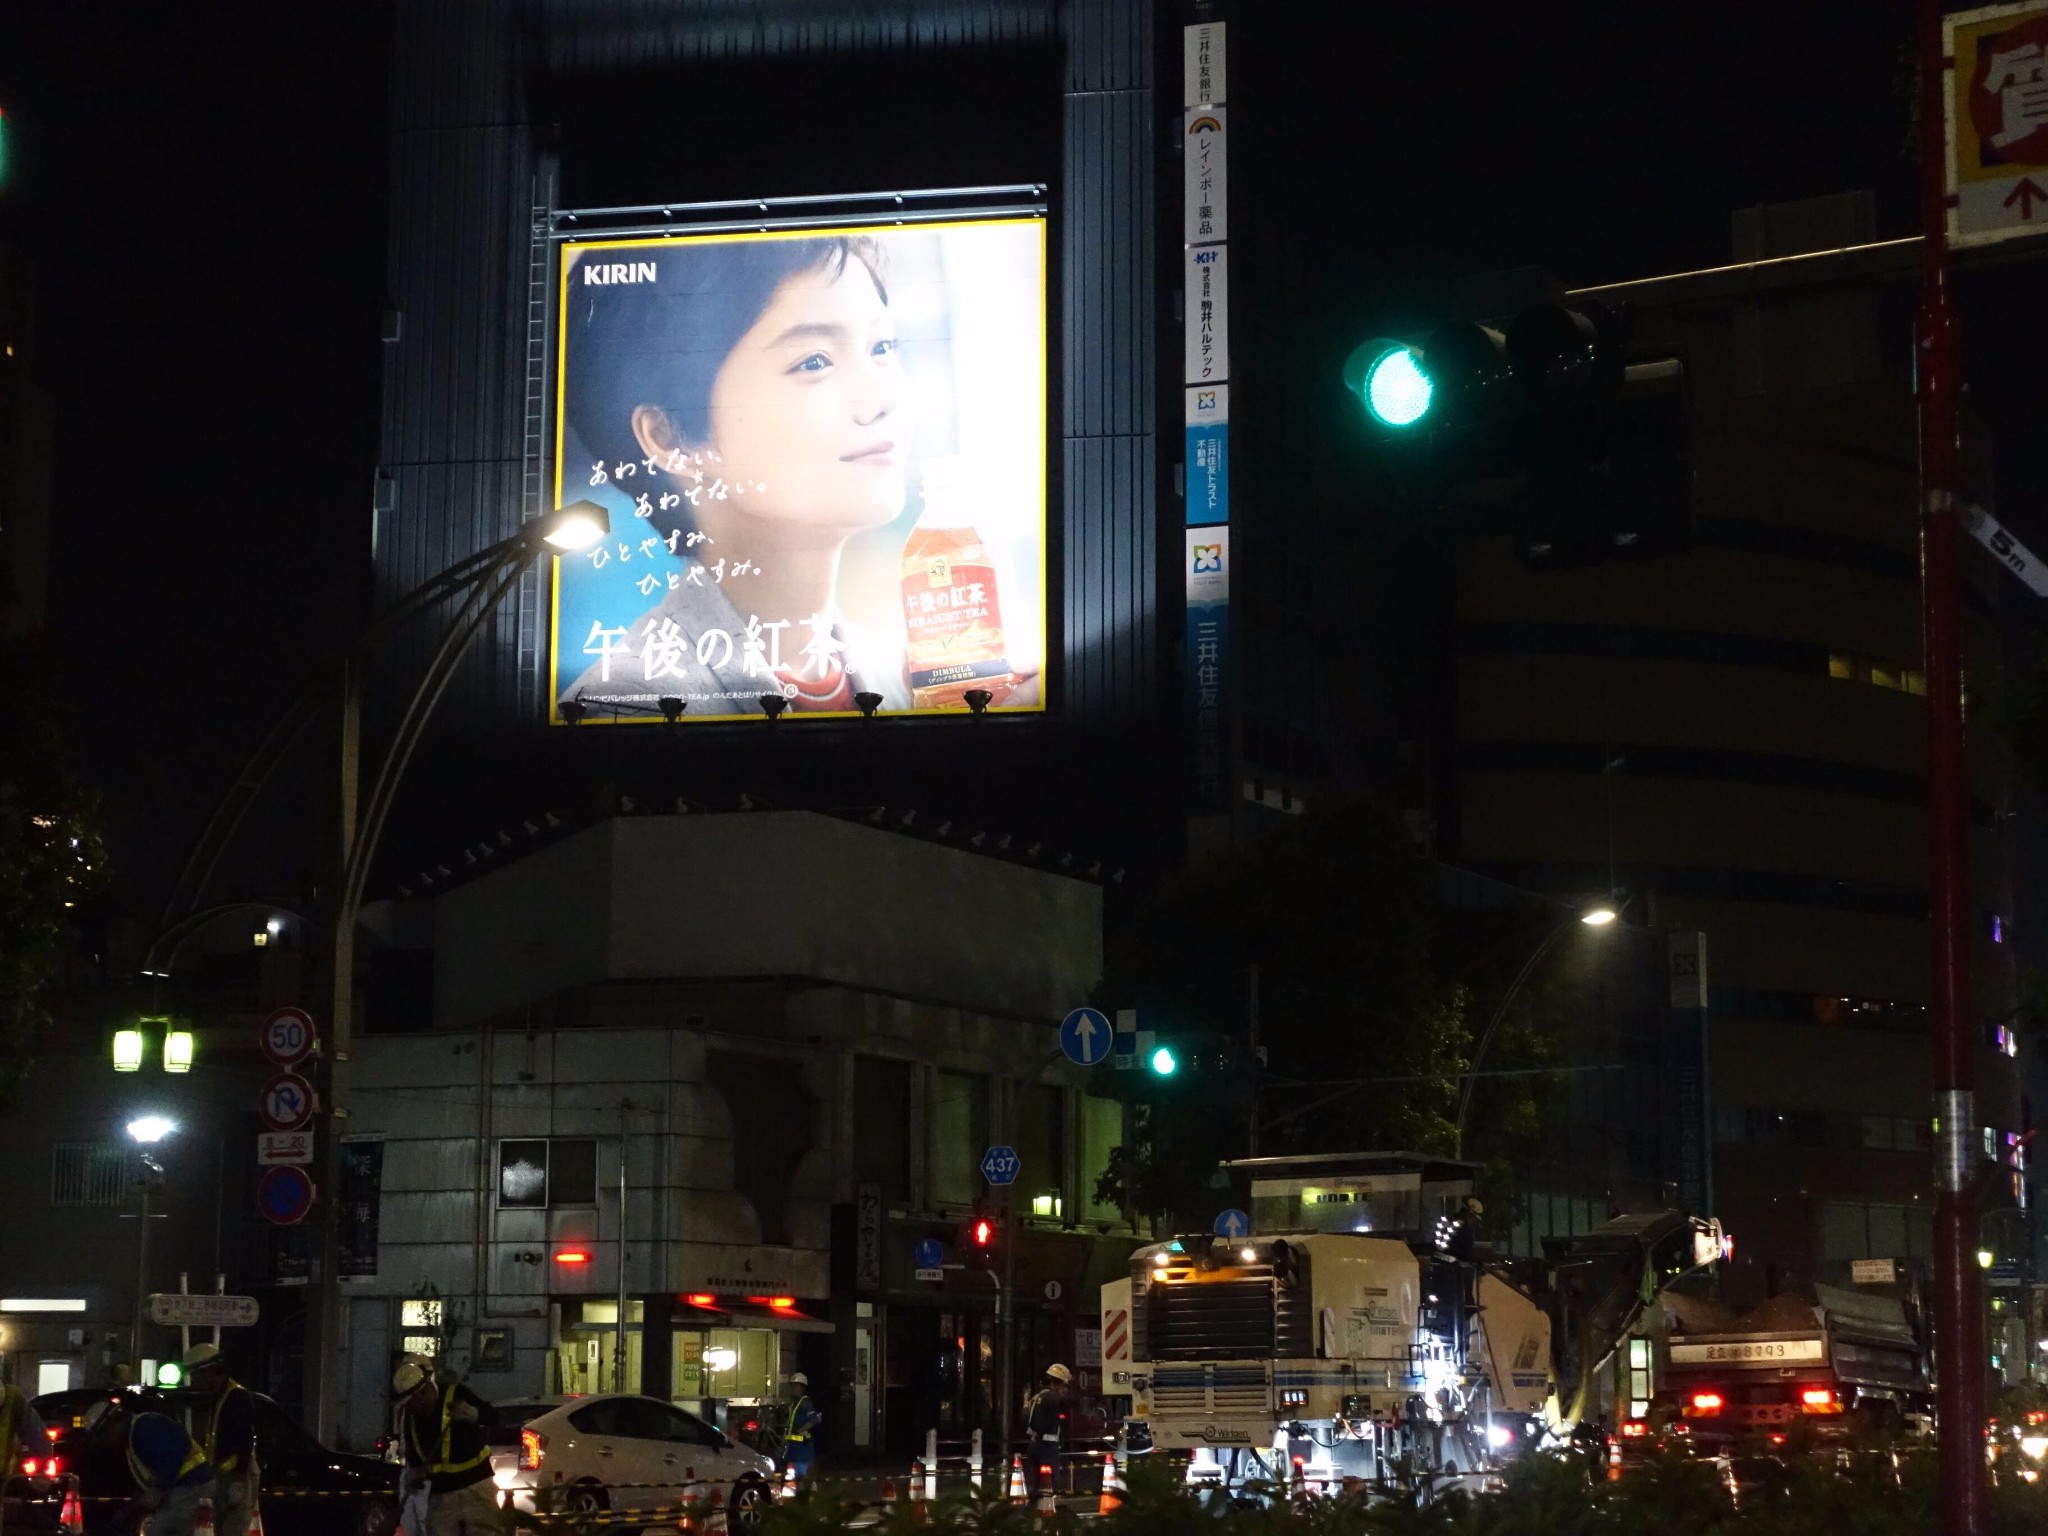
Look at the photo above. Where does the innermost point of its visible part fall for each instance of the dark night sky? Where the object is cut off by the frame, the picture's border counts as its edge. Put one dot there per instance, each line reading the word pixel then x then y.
pixel 203 187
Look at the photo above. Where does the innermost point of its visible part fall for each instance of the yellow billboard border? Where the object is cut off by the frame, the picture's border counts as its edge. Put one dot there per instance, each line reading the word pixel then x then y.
pixel 807 233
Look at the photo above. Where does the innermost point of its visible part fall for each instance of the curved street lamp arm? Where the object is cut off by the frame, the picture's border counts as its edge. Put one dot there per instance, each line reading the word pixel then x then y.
pixel 1500 1013
pixel 255 773
pixel 476 611
pixel 241 794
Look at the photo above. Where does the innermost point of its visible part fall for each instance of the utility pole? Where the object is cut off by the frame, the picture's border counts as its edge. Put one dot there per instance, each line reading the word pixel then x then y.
pixel 1958 1301
pixel 619 1323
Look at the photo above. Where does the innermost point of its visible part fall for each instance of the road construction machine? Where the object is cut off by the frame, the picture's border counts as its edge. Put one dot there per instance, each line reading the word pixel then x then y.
pixel 1354 1328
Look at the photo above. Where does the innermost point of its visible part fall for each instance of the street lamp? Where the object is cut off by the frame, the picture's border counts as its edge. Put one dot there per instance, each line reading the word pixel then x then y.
pixel 474 587
pixel 1592 917
pixel 145 1131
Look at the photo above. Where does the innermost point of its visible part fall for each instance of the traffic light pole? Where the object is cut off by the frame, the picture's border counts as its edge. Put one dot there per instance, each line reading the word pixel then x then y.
pixel 1006 1326
pixel 1958 1302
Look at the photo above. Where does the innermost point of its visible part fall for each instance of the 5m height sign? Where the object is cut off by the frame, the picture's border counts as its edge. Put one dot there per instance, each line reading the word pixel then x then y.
pixel 1997 111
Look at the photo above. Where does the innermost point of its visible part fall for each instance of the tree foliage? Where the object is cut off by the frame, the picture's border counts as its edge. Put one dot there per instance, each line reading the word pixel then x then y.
pixel 1369 995
pixel 51 853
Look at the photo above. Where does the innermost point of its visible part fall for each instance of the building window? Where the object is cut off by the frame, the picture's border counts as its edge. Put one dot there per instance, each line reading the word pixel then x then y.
pixel 534 1175
pixel 1850 1230
pixel 1869 1013
pixel 419 1326
pixel 959 1137
pixel 1897 1133
pixel 1770 1127
pixel 87 1173
pixel 1857 667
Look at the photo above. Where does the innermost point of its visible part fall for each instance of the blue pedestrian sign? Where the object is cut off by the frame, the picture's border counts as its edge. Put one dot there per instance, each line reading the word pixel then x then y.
pixel 930 1253
pixel 1233 1223
pixel 999 1165
pixel 1085 1036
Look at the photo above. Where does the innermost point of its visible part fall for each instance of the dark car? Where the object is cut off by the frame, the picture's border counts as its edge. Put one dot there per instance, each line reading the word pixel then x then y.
pixel 308 1490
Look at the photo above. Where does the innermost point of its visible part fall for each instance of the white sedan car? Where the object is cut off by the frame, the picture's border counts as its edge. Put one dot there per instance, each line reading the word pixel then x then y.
pixel 624 1453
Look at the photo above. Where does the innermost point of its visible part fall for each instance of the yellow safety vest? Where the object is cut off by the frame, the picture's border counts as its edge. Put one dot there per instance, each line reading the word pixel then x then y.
pixel 446 1462
pixel 793 1435
pixel 195 1457
pixel 232 1464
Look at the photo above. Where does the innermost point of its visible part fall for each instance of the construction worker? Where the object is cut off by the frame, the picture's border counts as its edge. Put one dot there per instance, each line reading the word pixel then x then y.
pixel 230 1439
pixel 800 1431
pixel 173 1474
pixel 1045 1426
pixel 21 1436
pixel 441 1430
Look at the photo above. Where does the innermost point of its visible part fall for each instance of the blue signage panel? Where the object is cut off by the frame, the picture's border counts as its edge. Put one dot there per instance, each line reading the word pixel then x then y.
pixel 999 1165
pixel 1085 1036
pixel 1208 455
pixel 1233 1223
pixel 930 1253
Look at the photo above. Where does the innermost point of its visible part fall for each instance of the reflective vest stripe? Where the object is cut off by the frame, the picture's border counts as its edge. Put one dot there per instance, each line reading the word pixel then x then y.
pixel 232 1464
pixel 447 1462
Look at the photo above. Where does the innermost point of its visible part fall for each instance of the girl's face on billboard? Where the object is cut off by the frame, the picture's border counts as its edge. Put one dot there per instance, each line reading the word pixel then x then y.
pixel 809 405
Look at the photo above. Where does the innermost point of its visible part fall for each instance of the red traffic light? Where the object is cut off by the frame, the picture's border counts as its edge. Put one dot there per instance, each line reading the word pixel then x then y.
pixel 984 1232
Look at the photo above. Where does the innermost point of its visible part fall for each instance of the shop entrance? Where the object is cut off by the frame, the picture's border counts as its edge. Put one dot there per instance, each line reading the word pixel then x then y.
pixel 939 1372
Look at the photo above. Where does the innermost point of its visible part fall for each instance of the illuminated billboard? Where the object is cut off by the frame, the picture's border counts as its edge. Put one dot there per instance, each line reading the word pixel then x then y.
pixel 824 456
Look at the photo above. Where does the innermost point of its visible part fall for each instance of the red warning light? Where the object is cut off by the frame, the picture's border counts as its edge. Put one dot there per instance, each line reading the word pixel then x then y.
pixel 701 1299
pixel 573 1256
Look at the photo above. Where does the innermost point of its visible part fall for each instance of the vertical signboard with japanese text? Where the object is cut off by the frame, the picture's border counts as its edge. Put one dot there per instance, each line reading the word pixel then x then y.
pixel 1207 570
pixel 1205 231
pixel 362 1197
pixel 823 453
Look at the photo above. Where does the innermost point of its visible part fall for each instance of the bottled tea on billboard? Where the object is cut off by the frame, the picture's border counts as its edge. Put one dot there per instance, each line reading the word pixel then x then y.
pixel 952 611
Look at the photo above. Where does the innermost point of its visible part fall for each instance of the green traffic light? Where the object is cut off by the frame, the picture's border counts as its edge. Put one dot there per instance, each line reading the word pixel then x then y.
pixel 1397 391
pixel 1163 1062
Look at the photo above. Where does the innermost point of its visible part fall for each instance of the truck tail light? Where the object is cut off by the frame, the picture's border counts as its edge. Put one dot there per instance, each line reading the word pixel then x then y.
pixel 1634 1429
pixel 1706 1402
pixel 531 1444
pixel 1818 1400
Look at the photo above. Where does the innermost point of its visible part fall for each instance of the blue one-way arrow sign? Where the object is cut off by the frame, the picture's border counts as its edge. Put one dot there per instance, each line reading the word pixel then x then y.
pixel 999 1165
pixel 1233 1223
pixel 1085 1036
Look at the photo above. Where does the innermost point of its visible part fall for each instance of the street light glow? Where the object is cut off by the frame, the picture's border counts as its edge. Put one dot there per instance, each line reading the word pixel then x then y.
pixel 576 526
pixel 1599 917
pixel 149 1129
pixel 128 1048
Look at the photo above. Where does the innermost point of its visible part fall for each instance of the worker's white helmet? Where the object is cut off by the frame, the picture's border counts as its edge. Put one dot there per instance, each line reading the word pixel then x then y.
pixel 1059 1373
pixel 799 1379
pixel 203 1355
pixel 408 1378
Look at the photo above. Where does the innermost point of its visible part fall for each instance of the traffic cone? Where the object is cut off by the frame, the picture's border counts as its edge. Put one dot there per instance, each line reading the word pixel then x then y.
pixel 71 1519
pixel 1047 1506
pixel 789 1482
pixel 1298 1489
pixel 1613 1458
pixel 917 1489
pixel 1112 1498
pixel 1016 1494
pixel 714 1522
pixel 686 1519
pixel 202 1522
pixel 256 1518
